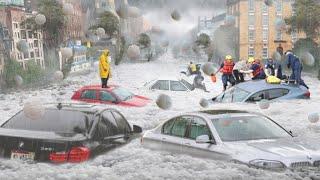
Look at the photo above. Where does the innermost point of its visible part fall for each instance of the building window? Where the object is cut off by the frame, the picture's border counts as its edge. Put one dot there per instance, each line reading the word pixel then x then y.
pixel 26 55
pixel 265 34
pixel 23 34
pixel 251 51
pixel 32 54
pixel 265 52
pixel 15 25
pixel 278 35
pixel 30 34
pixel 278 6
pixel 251 5
pixel 251 20
pixel 265 20
pixel 294 36
pixel 264 8
pixel 251 35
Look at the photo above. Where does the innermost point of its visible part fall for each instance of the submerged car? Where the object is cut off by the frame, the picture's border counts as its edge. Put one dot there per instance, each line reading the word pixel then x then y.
pixel 170 84
pixel 64 133
pixel 254 91
pixel 238 136
pixel 113 95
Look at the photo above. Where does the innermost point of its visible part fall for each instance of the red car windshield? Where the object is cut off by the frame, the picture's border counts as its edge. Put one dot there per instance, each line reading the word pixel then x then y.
pixel 123 94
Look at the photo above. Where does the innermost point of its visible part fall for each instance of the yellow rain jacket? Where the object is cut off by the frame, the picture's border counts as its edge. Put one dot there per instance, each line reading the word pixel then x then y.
pixel 193 67
pixel 273 80
pixel 104 65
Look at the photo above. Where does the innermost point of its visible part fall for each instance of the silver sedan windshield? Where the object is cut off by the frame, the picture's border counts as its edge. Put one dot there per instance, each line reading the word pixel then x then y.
pixel 248 128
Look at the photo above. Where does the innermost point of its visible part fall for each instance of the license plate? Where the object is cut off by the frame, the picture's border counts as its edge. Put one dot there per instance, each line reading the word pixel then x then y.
pixel 24 156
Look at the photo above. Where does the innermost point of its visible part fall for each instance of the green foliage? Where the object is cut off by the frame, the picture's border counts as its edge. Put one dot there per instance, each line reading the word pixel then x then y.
pixel 203 40
pixel 33 73
pixel 306 18
pixel 109 22
pixel 123 48
pixel 11 69
pixel 144 40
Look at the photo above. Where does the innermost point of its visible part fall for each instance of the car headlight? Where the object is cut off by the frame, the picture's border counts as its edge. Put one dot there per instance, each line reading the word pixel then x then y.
pixel 267 164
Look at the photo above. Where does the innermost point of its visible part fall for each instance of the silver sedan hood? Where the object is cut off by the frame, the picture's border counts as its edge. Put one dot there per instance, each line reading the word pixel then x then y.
pixel 288 150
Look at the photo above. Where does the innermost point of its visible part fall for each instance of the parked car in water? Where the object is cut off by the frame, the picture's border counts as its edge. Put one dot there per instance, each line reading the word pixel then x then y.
pixel 169 84
pixel 237 136
pixel 65 133
pixel 253 91
pixel 114 95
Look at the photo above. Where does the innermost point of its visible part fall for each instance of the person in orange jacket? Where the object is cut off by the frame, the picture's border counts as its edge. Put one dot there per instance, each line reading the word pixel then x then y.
pixel 226 69
pixel 104 68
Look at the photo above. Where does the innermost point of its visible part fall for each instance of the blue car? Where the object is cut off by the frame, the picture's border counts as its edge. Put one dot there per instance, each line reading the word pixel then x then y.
pixel 254 91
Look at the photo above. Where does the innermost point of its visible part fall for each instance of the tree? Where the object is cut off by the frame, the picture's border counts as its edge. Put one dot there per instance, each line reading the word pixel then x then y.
pixel 11 69
pixel 109 22
pixel 203 40
pixel 306 18
pixel 144 40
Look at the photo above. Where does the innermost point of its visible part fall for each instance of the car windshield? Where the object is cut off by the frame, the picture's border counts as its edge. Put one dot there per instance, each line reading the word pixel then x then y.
pixel 123 94
pixel 188 85
pixel 52 120
pixel 248 128
pixel 233 94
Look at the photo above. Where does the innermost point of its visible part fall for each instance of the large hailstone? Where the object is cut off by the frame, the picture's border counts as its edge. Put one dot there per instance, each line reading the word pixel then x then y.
pixel 264 104
pixel 18 80
pixel 230 20
pixel 268 2
pixel 313 117
pixel 68 8
pixel 280 24
pixel 100 32
pixel 40 19
pixel 175 15
pixel 122 11
pixel 23 46
pixel 307 59
pixel 66 52
pixel 133 52
pixel 34 109
pixel 208 69
pixel 58 76
pixel 134 12
pixel 204 103
pixel 164 102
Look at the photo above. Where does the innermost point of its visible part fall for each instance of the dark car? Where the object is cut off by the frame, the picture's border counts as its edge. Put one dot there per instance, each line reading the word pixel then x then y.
pixel 65 133
pixel 254 91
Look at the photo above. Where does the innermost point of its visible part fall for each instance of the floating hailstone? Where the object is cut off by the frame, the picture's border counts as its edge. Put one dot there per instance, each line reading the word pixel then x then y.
pixel 66 52
pixel 164 102
pixel 40 19
pixel 33 109
pixel 68 8
pixel 204 103
pixel 100 32
pixel 313 117
pixel 307 59
pixel 58 76
pixel 123 12
pixel 175 15
pixel 280 24
pixel 23 46
pixel 133 52
pixel 264 104
pixel 18 80
pixel 268 2
pixel 208 69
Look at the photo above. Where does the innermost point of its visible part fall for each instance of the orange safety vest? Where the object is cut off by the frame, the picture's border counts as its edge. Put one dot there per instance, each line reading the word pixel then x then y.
pixel 227 67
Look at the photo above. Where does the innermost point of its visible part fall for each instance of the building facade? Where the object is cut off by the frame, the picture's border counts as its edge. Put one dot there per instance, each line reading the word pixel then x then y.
pixel 258 26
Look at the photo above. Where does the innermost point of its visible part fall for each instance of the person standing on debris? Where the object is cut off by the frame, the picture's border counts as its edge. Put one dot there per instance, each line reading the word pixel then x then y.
pixel 294 63
pixel 104 68
pixel 240 66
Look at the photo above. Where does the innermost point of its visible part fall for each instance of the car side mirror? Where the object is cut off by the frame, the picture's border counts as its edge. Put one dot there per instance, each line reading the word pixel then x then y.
pixel 137 129
pixel 203 139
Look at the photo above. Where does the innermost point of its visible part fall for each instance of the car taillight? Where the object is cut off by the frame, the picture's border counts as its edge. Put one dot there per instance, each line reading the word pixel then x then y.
pixel 75 155
pixel 307 94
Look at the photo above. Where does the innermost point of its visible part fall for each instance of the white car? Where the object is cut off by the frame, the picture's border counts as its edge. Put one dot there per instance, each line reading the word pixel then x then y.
pixel 170 84
pixel 238 136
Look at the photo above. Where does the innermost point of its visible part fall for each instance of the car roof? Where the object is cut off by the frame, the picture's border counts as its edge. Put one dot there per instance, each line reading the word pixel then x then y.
pixel 72 106
pixel 98 87
pixel 260 85
pixel 220 113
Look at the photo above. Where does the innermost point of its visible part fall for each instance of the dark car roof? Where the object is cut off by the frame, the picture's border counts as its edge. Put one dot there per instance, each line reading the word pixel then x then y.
pixel 259 85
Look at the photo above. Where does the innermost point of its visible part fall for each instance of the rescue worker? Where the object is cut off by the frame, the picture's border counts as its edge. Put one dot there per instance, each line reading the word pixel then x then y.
pixel 104 68
pixel 240 66
pixel 226 69
pixel 256 69
pixel 192 68
pixel 294 63
pixel 273 68
pixel 198 82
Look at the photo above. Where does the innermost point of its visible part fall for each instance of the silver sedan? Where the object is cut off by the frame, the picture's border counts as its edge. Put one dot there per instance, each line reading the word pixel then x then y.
pixel 237 136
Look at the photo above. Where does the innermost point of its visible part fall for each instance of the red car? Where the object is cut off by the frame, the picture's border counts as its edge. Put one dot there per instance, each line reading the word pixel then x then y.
pixel 114 95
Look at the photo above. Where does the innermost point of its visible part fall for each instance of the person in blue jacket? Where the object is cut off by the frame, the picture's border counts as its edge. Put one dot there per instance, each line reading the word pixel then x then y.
pixel 273 68
pixel 295 64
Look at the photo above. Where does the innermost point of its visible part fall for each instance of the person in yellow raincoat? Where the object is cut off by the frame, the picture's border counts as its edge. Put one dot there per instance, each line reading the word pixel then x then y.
pixel 104 68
